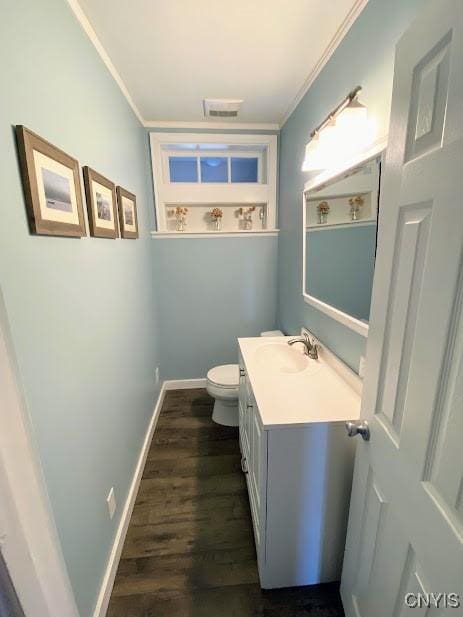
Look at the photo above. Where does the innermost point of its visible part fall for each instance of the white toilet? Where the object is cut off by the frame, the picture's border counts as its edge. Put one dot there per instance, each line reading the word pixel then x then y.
pixel 222 383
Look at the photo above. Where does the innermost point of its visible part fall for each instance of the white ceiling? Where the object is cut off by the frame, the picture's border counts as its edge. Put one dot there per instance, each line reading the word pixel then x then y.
pixel 171 54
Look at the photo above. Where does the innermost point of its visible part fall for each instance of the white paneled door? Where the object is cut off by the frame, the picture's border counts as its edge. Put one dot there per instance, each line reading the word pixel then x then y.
pixel 405 537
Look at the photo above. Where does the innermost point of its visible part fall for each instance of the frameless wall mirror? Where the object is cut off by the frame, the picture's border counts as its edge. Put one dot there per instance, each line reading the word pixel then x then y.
pixel 340 233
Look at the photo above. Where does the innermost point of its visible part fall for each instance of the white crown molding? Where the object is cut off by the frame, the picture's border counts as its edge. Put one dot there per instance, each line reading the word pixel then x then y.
pixel 355 11
pixel 90 32
pixel 204 124
pixel 341 32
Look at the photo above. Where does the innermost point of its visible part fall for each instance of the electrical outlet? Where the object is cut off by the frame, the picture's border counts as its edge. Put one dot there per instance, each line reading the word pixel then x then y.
pixel 111 501
pixel 362 367
pixel 156 375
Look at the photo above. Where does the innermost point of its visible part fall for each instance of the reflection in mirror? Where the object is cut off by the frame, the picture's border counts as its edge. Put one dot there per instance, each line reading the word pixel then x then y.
pixel 340 240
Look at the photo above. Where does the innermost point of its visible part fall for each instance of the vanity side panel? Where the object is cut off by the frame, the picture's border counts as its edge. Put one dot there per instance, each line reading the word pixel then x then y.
pixel 241 401
pixel 245 402
pixel 309 480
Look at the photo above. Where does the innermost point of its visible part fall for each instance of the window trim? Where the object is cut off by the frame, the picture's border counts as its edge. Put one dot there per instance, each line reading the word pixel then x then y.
pixel 167 193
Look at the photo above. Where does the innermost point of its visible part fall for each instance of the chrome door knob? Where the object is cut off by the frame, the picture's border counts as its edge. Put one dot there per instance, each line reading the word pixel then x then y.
pixel 358 428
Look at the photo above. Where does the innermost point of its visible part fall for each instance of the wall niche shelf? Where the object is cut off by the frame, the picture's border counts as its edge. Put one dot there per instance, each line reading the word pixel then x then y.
pixel 198 218
pixel 174 235
pixel 360 187
pixel 323 226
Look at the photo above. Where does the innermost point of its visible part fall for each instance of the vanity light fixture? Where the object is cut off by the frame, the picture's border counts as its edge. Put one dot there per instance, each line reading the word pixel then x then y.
pixel 343 132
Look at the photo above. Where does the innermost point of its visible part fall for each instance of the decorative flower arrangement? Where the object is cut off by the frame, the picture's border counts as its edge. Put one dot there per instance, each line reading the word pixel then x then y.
pixel 216 215
pixel 355 204
pixel 323 209
pixel 246 215
pixel 180 213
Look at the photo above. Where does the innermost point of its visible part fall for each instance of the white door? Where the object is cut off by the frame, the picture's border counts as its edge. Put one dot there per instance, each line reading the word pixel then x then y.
pixel 406 521
pixel 9 603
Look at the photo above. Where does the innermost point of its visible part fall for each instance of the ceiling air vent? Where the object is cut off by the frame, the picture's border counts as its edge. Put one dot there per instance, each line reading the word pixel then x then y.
pixel 222 108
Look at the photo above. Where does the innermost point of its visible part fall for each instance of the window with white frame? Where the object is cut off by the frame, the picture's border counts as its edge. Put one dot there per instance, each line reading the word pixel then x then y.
pixel 199 172
pixel 209 166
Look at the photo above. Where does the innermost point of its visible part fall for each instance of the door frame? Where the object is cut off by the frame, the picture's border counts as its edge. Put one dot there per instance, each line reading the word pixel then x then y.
pixel 29 539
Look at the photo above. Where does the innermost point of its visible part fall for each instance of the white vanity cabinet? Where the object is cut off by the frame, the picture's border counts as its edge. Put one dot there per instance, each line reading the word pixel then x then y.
pixel 299 481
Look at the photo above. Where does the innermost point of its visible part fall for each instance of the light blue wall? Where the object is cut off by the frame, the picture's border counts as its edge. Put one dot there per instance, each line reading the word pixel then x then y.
pixel 212 292
pixel 84 314
pixel 340 267
pixel 82 311
pixel 365 57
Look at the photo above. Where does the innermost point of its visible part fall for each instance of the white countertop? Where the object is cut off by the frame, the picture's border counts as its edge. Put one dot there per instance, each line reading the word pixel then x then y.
pixel 325 390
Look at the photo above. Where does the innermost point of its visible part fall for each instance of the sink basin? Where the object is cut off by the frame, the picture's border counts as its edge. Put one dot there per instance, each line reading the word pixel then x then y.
pixel 282 358
pixel 292 389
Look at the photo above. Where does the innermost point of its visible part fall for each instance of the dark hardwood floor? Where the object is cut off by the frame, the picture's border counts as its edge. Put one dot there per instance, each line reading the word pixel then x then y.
pixel 189 550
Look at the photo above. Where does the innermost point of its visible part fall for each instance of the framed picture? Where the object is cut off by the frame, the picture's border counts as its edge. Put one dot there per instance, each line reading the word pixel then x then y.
pixel 128 218
pixel 101 205
pixel 51 187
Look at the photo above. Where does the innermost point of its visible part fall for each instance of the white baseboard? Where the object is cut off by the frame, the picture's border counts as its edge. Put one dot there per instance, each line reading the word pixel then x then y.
pixel 184 384
pixel 115 555
pixel 116 551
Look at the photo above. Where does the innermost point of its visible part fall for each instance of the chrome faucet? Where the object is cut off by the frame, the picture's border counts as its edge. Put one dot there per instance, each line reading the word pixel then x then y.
pixel 311 348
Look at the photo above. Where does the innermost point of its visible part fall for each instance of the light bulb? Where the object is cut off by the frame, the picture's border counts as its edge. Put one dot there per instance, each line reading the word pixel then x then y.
pixel 330 146
pixel 353 114
pixel 329 135
pixel 311 158
pixel 353 126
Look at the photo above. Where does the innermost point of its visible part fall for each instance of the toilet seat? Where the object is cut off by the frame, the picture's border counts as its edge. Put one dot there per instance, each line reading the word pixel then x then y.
pixel 225 377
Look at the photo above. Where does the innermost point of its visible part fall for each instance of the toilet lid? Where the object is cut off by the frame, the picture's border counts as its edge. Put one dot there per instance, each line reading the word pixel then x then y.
pixel 227 375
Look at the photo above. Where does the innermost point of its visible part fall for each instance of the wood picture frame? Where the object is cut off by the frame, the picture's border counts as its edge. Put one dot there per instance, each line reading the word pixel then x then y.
pixel 101 199
pixel 51 184
pixel 128 217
